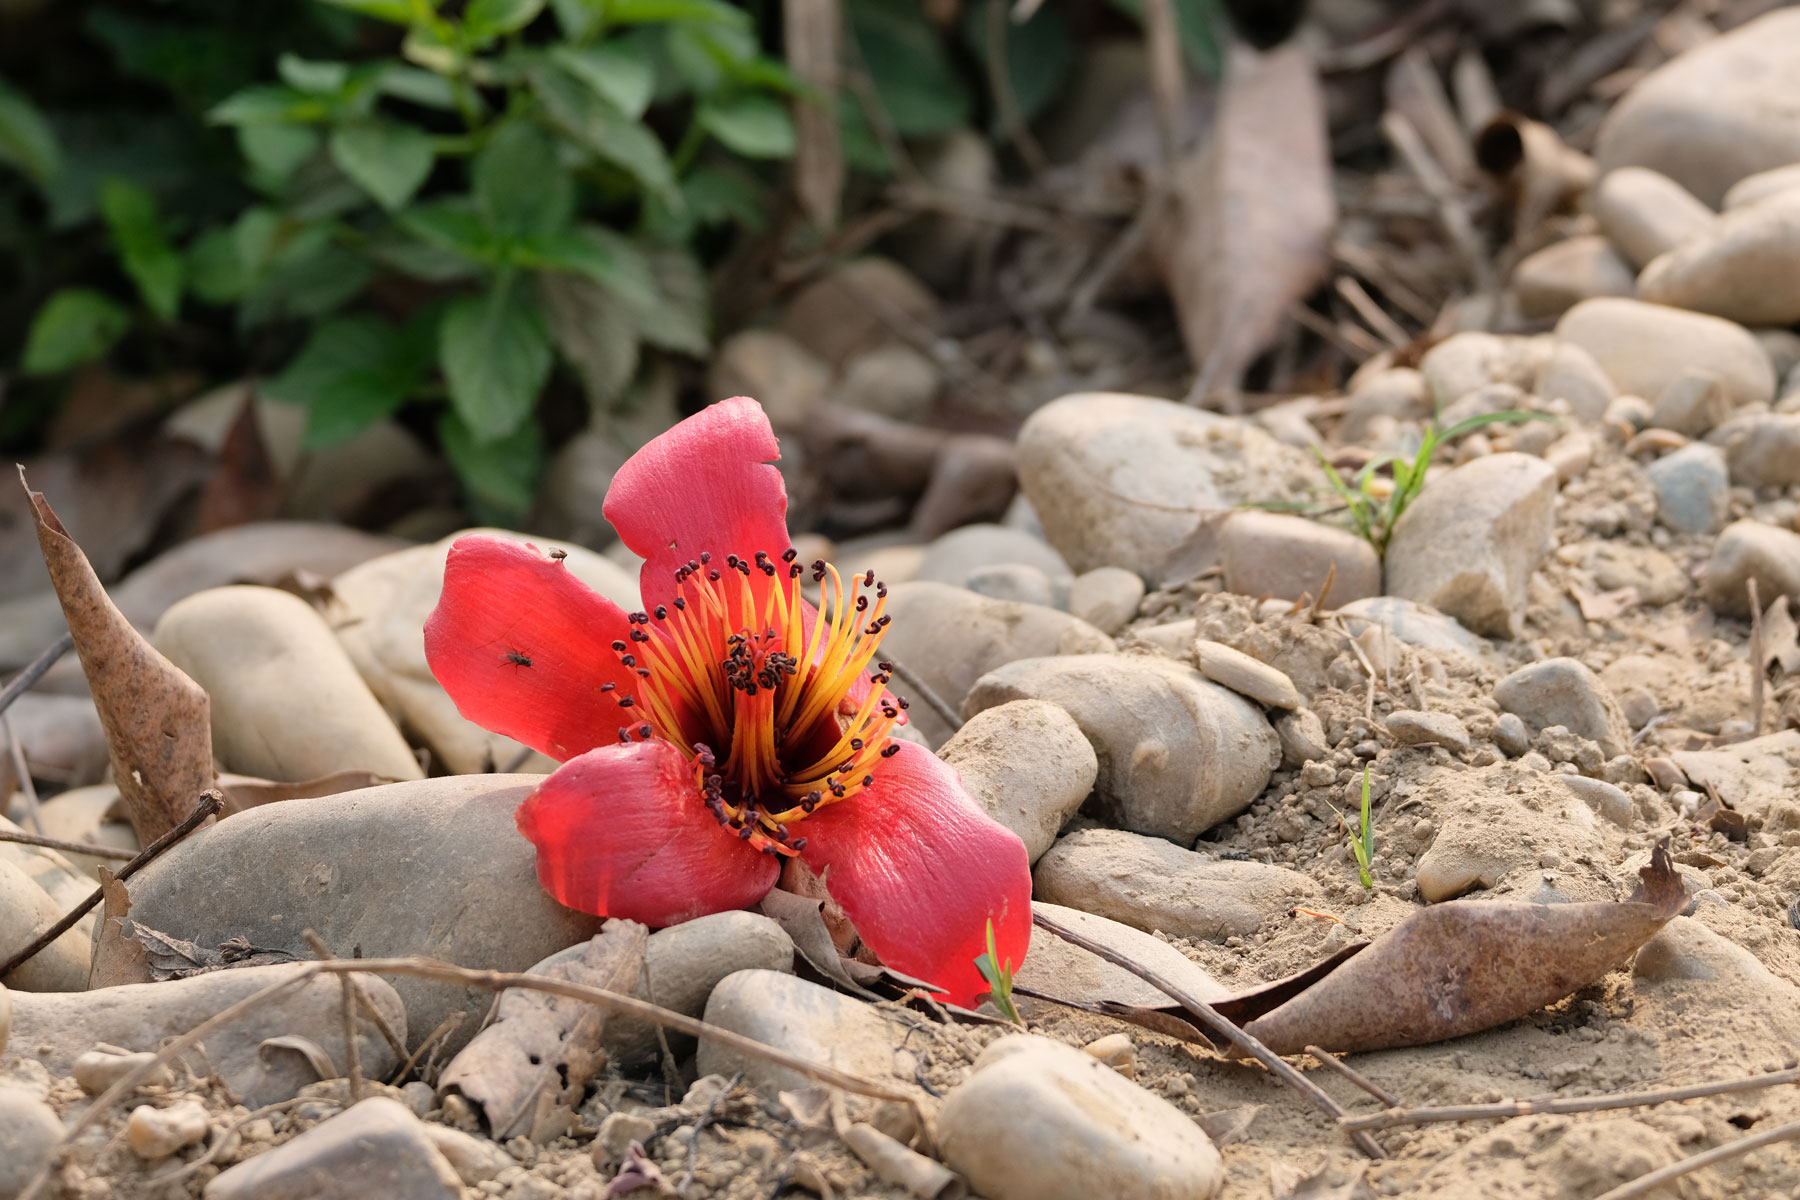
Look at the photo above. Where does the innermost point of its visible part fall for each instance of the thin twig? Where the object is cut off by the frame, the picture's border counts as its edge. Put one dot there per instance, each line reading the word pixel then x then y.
pixel 1168 81
pixel 444 1027
pixel 1327 1058
pixel 932 700
pixel 352 1051
pixel 50 843
pixel 1756 659
pixel 1006 101
pixel 1507 1109
pixel 1450 211
pixel 426 968
pixel 21 683
pixel 693 1146
pixel 1687 1166
pixel 1363 657
pixel 27 787
pixel 1318 606
pixel 209 804
pixel 1373 315
pixel 1217 1024
pixel 1123 250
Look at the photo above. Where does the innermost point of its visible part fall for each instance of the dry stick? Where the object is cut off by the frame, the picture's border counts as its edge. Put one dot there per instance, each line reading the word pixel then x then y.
pixel 1217 1024
pixel 1006 101
pixel 443 1029
pixel 1372 313
pixel 1373 269
pixel 427 968
pixel 1506 1109
pixel 932 700
pixel 50 843
pixel 1450 212
pixel 693 1147
pixel 352 1052
pixel 26 787
pixel 1368 700
pixel 1756 659
pixel 1327 1058
pixel 1687 1166
pixel 209 804
pixel 1123 250
pixel 34 670
pixel 1318 605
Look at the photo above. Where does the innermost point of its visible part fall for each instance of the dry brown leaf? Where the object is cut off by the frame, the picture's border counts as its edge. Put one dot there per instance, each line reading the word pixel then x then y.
pixel 157 720
pixel 1250 231
pixel 247 791
pixel 1416 92
pixel 1470 965
pixel 1780 641
pixel 306 1048
pixel 534 1062
pixel 131 963
pixel 814 33
pixel 801 917
pixel 245 486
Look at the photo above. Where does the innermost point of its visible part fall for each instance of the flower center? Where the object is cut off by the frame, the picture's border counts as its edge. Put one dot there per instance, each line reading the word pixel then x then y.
pixel 773 704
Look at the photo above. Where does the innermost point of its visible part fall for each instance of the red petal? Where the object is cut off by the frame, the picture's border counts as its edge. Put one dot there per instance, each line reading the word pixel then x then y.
pixel 920 870
pixel 622 832
pixel 523 647
pixel 705 485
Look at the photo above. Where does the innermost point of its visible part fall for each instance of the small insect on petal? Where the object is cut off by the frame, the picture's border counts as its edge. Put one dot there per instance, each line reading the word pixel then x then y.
pixel 517 659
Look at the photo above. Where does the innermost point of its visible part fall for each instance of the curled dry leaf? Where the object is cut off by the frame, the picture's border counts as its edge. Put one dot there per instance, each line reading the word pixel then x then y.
pixel 306 1048
pixel 1469 965
pixel 248 791
pixel 157 720
pixel 527 1071
pixel 1251 229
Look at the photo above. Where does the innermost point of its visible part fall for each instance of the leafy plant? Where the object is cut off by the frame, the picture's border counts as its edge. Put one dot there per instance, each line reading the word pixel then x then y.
pixel 1374 517
pixel 1363 844
pixel 999 979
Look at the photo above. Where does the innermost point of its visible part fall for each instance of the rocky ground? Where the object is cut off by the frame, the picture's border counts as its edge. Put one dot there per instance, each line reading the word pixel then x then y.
pixel 1173 667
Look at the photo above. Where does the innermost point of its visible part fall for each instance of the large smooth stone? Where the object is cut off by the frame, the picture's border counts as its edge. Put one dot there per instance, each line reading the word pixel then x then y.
pixel 1749 550
pixel 1153 884
pixel 1550 281
pixel 1415 624
pixel 1645 347
pixel 1066 971
pixel 1287 557
pixel 1468 544
pixel 287 703
pixel 58 1029
pixel 1711 116
pixel 380 621
pixel 950 637
pixel 1563 691
pixel 1039 1120
pixel 29 1133
pixel 433 867
pixel 1692 488
pixel 1762 450
pixel 682 966
pixel 1177 752
pixel 1645 213
pixel 1745 268
pixel 1028 765
pixel 25 909
pixel 956 556
pixel 1121 480
pixel 375 1150
pixel 816 1023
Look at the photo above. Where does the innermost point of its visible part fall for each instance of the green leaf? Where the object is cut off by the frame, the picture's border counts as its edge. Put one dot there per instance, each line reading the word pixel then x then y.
pixel 269 104
pixel 214 272
pixel 26 140
pixel 580 19
pixel 76 325
pixel 716 196
pixel 352 372
pixel 306 273
pixel 417 86
pixel 143 246
pixel 619 75
pixel 1040 54
pixel 453 224
pixel 520 187
pixel 1470 424
pixel 709 55
pixel 678 318
pixel 602 127
pixel 642 12
pixel 275 152
pixel 485 20
pixel 921 91
pixel 385 158
pixel 594 332
pixel 312 77
pixel 753 125
pixel 395 12
pixel 603 256
pixel 1197 28
pixel 502 474
pixel 496 356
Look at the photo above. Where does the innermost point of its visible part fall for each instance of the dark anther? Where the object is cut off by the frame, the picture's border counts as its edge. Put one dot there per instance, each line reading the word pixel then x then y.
pixel 731 560
pixel 712 576
pixel 662 612
pixel 799 843
pixel 789 555
pixel 624 735
pixel 626 702
pixel 619 647
pixel 885 666
pixel 643 672
pixel 868 779
pixel 629 660
pixel 644 732
pixel 856 743
pixel 890 751
pixel 794 571
pixel 706 556
pixel 639 618
pixel 607 687
pixel 680 604
pixel 901 701
pixel 638 635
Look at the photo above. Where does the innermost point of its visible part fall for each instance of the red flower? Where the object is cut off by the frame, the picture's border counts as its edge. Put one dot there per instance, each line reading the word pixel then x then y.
pixel 727 727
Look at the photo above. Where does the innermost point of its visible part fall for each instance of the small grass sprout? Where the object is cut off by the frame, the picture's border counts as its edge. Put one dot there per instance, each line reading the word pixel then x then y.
pixel 1363 844
pixel 1374 516
pixel 999 979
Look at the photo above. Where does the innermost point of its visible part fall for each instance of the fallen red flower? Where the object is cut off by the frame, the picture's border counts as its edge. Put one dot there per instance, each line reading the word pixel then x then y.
pixel 727 727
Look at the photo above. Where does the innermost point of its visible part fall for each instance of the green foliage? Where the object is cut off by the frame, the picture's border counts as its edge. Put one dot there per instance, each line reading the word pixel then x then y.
pixel 1373 518
pixel 999 978
pixel 1362 845
pixel 26 141
pixel 74 326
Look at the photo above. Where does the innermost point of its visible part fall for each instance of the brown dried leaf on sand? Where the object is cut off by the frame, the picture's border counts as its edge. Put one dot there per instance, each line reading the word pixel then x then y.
pixel 527 1070
pixel 157 720
pixel 1250 233
pixel 1469 965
